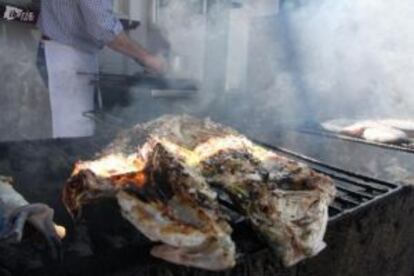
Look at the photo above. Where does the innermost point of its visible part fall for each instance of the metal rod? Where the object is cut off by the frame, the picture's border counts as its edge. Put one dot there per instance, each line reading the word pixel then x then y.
pixel 355 140
pixel 348 201
pixel 356 193
pixel 363 205
pixel 336 209
pixel 117 123
pixel 330 167
pixel 353 182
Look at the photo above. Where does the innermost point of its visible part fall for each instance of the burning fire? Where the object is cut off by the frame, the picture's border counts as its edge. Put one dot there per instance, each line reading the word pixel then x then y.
pixel 122 170
pixel 130 170
pixel 137 179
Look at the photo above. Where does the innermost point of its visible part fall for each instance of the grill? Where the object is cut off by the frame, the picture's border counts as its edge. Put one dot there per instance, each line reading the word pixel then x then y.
pixel 404 147
pixel 355 190
pixel 141 80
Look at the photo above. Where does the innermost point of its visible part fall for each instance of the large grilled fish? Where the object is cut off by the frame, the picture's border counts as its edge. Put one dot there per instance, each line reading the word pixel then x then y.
pixel 285 201
pixel 166 175
pixel 164 199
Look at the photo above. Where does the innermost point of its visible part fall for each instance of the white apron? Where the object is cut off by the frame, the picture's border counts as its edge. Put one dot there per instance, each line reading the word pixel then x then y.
pixel 71 94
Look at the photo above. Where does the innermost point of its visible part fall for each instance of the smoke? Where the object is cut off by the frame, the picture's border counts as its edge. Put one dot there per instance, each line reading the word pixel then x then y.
pixel 24 105
pixel 315 60
pixel 356 57
pixel 347 59
pixel 184 25
pixel 188 26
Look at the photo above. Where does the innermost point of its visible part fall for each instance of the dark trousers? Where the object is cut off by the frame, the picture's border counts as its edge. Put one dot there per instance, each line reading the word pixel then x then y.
pixel 41 63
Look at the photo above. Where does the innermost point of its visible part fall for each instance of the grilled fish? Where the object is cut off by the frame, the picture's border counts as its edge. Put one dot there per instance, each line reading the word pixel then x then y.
pixel 402 124
pixel 383 131
pixel 284 200
pixel 174 168
pixel 15 212
pixel 164 199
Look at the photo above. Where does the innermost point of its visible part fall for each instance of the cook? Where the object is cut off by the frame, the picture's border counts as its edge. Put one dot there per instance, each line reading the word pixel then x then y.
pixel 74 31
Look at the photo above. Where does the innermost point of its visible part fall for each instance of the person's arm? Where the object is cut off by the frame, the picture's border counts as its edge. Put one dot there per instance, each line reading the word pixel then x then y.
pixel 105 27
pixel 124 45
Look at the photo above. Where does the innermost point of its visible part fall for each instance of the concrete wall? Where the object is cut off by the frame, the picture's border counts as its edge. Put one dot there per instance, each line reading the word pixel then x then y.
pixel 24 105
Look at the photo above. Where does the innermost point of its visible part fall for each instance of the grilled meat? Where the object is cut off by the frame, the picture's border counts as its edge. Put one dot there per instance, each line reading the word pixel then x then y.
pixel 284 200
pixel 402 124
pixel 383 131
pixel 15 211
pixel 167 189
pixel 164 199
pixel 383 135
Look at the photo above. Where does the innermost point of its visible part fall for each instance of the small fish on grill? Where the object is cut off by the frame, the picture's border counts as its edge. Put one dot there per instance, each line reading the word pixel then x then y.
pixel 391 131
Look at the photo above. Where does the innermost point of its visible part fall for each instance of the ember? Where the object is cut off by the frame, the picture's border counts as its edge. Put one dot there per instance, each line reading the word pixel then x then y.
pixel 135 179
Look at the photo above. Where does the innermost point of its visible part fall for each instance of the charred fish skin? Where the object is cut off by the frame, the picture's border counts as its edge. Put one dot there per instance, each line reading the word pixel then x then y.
pixel 83 188
pixel 287 212
pixel 186 160
pixel 174 205
pixel 196 234
pixel 183 130
pixel 284 200
pixel 195 211
pixel 169 172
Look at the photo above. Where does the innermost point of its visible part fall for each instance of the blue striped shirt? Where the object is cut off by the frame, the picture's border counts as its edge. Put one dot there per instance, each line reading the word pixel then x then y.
pixel 88 25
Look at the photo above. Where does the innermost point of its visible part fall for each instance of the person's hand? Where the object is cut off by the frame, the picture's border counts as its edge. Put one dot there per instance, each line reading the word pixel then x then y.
pixel 154 64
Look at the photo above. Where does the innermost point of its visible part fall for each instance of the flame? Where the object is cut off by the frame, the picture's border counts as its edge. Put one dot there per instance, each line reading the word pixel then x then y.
pixel 112 165
pixel 137 179
pixel 122 170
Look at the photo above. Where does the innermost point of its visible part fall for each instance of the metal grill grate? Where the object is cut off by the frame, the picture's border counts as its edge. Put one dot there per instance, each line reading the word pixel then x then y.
pixel 354 190
pixel 404 147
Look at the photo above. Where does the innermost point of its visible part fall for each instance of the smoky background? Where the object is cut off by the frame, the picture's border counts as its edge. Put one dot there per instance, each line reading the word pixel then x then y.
pixel 356 57
pixel 258 65
pixel 262 66
pixel 334 59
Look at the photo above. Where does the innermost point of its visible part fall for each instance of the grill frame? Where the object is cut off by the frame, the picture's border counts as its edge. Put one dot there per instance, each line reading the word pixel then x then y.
pixel 333 135
pixel 347 193
pixel 384 188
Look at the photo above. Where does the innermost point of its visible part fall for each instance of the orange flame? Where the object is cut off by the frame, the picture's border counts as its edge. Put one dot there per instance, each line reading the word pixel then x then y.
pixel 137 179
pixel 121 170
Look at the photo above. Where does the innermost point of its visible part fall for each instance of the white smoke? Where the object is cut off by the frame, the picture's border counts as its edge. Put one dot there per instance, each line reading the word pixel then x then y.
pixel 356 57
pixel 343 58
